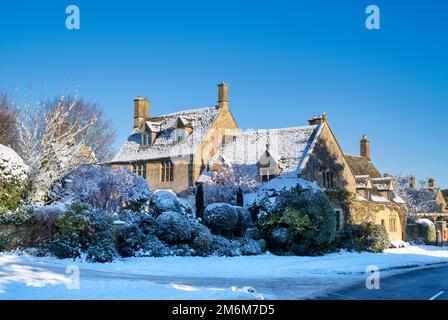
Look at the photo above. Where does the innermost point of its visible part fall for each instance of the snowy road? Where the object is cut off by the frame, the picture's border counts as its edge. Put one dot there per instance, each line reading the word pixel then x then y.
pixel 272 277
pixel 270 288
pixel 421 284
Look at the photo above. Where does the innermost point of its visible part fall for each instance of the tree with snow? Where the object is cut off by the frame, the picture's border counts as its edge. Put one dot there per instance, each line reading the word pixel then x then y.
pixel 8 123
pixel 417 199
pixel 224 184
pixel 50 138
pixel 100 137
pixel 102 187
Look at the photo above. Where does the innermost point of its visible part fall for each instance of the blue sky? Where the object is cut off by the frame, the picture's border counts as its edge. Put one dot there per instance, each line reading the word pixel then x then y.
pixel 285 61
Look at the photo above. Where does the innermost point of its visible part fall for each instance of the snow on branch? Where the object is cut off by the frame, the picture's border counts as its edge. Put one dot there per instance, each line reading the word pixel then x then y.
pixel 50 140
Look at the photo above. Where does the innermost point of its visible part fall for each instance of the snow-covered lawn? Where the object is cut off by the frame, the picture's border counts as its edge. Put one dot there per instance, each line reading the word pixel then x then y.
pixel 28 277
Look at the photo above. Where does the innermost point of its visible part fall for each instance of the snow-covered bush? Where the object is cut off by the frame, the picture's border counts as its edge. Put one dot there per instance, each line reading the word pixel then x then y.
pixel 164 201
pixel 103 187
pixel 173 227
pixel 221 218
pixel 226 219
pixel 101 251
pixel 130 240
pixel 71 237
pixel 13 178
pixel 67 247
pixel 301 208
pixel 202 239
pixel 254 233
pixel 183 250
pixel 84 229
pixel 244 220
pixel 224 247
pixel 42 226
pixel 148 225
pixel 153 247
pixel 19 216
pixel 370 237
pixel 427 230
pixel 250 247
pixel 279 238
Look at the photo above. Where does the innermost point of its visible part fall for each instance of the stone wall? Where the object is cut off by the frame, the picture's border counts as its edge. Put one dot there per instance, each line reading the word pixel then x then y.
pixel 328 155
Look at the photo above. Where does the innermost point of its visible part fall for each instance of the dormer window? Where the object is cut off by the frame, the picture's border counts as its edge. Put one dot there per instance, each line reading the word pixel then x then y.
pixel 179 134
pixel 146 139
pixel 368 194
pixel 390 195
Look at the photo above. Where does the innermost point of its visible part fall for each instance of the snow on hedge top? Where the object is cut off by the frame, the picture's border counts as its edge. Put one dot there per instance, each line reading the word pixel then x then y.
pixel 272 188
pixel 12 166
pixel 426 222
pixel 165 145
pixel 288 147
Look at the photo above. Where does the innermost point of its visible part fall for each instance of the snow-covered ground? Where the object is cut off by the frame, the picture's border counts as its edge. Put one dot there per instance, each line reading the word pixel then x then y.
pixel 28 277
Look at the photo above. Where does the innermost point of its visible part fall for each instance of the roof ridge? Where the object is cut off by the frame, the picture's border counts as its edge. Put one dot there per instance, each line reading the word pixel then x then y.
pixel 184 111
pixel 278 129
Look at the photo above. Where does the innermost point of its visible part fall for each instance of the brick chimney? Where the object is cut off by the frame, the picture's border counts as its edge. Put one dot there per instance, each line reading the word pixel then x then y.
pixel 365 147
pixel 412 182
pixel 141 111
pixel 223 95
pixel 431 183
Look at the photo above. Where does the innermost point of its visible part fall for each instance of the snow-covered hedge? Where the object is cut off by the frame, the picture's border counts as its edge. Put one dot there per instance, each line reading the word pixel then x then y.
pixel 164 201
pixel 295 215
pixel 13 178
pixel 227 220
pixel 173 227
pixel 369 237
pixel 427 230
pixel 83 229
pixel 103 187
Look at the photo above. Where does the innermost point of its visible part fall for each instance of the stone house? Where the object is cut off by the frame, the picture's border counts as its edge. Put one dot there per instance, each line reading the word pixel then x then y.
pixel 170 151
pixel 310 152
pixel 174 151
pixel 376 199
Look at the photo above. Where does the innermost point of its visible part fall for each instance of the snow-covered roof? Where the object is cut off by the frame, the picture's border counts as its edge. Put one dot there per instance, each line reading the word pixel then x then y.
pixel 363 182
pixel 12 166
pixel 290 147
pixel 383 184
pixel 165 145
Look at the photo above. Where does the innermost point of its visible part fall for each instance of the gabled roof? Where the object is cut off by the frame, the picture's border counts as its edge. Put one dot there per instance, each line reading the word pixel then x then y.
pixel 383 184
pixel 362 166
pixel 154 126
pixel 363 182
pixel 289 146
pixel 165 145
pixel 185 122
